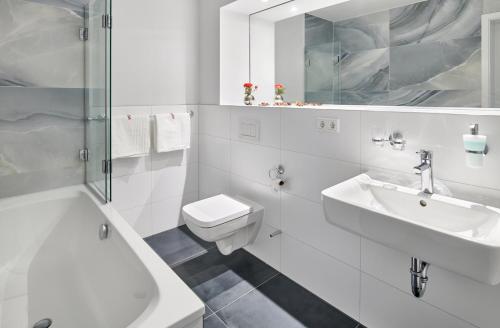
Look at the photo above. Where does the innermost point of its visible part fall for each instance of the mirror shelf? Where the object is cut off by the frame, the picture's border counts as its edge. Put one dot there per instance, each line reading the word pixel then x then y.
pixel 371 108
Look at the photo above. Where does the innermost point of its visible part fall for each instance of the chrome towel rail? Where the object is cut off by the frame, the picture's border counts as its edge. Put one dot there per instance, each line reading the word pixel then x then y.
pixel 103 118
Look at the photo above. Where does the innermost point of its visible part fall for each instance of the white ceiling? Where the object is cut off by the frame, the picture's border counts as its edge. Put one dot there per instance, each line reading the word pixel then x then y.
pixel 287 10
pixel 357 8
pixel 332 10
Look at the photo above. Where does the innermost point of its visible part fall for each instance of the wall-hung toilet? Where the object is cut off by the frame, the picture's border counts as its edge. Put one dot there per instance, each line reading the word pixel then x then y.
pixel 230 222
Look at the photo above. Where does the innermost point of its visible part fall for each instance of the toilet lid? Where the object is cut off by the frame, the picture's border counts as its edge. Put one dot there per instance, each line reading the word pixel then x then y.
pixel 216 210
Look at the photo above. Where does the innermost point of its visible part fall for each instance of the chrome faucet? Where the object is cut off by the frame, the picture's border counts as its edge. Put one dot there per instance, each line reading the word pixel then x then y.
pixel 425 171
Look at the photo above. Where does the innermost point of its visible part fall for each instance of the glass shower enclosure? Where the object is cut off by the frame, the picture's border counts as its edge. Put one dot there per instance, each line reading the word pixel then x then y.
pixel 97 154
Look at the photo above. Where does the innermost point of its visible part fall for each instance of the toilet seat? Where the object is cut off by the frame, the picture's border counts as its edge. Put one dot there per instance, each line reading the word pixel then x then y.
pixel 217 210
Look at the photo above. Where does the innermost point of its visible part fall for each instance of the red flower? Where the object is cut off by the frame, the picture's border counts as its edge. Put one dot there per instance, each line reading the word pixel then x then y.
pixel 279 86
pixel 247 85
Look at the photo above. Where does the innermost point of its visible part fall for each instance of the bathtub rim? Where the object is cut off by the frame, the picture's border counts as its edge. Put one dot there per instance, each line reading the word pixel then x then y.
pixel 165 309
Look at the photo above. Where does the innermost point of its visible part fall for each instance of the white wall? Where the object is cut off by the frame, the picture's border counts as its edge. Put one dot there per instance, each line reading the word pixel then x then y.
pixel 155 62
pixel 368 281
pixel 209 50
pixel 234 56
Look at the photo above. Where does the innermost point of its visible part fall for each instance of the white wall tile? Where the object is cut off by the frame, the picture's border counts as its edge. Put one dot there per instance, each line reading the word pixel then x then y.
pixel 253 161
pixel 332 280
pixel 268 121
pixel 176 158
pixel 174 181
pixel 215 151
pixel 140 219
pixel 437 132
pixel 304 220
pixel 213 181
pixel 215 121
pixel 131 165
pixel 446 290
pixel 266 248
pixel 167 214
pixel 308 175
pixel 261 194
pixel 131 191
pixel 300 134
pixel 383 306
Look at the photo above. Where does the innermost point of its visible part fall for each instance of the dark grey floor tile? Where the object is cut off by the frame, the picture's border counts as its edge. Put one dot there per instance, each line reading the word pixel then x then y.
pixel 219 280
pixel 283 303
pixel 208 311
pixel 178 245
pixel 213 322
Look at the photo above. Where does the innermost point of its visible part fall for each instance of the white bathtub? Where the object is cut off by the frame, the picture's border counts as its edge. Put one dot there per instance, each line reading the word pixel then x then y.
pixel 54 265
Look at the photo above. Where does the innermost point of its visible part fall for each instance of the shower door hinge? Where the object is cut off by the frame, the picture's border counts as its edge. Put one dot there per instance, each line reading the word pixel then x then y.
pixel 106 166
pixel 84 155
pixel 106 21
pixel 84 33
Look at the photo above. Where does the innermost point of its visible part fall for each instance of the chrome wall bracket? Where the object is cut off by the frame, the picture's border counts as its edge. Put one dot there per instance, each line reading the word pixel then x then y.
pixel 84 155
pixel 84 33
pixel 419 278
pixel 395 139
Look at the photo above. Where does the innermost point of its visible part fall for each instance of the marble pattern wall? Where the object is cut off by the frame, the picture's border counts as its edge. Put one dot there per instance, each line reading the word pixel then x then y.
pixel 320 81
pixel 41 95
pixel 424 54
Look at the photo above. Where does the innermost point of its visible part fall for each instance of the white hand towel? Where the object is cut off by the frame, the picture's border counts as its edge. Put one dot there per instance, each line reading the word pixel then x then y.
pixel 130 136
pixel 172 132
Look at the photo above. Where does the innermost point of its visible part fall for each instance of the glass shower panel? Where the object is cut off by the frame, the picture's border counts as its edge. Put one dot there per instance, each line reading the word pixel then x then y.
pixel 495 96
pixel 98 96
pixel 322 73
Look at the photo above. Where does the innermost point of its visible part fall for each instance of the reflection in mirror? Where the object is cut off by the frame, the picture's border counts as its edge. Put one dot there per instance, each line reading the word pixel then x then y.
pixel 434 53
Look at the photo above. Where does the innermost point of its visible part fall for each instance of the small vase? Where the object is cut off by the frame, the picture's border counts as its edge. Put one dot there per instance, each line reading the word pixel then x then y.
pixel 278 98
pixel 249 98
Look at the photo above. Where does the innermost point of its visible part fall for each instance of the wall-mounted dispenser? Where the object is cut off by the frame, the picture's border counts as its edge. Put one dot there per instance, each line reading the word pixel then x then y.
pixel 475 147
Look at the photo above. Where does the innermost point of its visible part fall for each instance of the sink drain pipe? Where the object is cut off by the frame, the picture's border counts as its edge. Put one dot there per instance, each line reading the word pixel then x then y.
pixel 419 277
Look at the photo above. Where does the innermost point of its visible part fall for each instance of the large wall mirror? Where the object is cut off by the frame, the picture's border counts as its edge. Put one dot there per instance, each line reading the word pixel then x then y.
pixel 434 53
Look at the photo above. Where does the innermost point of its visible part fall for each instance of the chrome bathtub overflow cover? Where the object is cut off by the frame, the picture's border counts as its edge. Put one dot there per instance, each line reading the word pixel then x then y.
pixel 423 203
pixel 44 323
pixel 103 231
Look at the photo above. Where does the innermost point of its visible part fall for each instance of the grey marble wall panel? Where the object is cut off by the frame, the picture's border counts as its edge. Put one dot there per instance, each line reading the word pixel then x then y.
pixel 364 97
pixel 75 6
pixel 424 54
pixel 317 31
pixel 363 33
pixel 435 98
pixel 39 44
pixel 41 131
pixel 319 67
pixel 41 95
pixel 365 71
pixel 435 20
pixel 447 65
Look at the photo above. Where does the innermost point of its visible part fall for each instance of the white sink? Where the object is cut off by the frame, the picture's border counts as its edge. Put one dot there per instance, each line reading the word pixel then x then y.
pixel 457 235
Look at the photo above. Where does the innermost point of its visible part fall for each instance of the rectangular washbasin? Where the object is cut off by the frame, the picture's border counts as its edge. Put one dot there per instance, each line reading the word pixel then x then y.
pixel 457 235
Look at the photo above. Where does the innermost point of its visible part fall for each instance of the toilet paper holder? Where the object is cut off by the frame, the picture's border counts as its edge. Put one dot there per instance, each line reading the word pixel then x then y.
pixel 277 174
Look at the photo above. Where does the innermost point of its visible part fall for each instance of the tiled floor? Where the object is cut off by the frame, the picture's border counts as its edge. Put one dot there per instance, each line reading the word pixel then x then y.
pixel 239 290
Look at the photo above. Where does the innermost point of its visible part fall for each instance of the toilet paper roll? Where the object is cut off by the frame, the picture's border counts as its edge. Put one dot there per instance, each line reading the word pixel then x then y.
pixel 474 161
